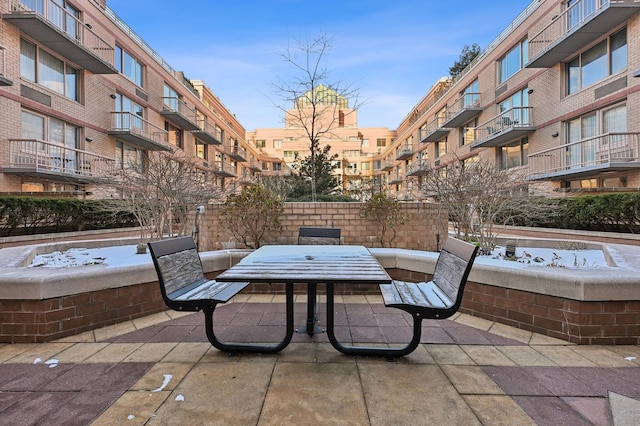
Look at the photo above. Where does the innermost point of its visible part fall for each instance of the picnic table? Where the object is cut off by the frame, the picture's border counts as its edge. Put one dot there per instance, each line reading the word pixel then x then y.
pixel 308 264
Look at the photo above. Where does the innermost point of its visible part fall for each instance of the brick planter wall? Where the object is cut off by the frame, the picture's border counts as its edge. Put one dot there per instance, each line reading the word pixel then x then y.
pixel 37 321
pixel 426 229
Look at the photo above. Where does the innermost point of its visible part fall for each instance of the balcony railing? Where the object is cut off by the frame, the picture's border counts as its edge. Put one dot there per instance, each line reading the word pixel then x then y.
pixel 405 152
pixel 136 130
pixel 208 133
pixel 434 130
pixel 177 111
pixel 418 168
pixel 255 166
pixel 236 152
pixel 462 110
pixel 52 25
pixel 577 26
pixel 4 81
pixel 223 168
pixel 395 178
pixel 387 165
pixel 40 159
pixel 511 124
pixel 605 152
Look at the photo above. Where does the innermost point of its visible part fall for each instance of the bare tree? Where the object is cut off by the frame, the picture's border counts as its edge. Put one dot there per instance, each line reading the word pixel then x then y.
pixel 318 102
pixel 162 192
pixel 478 196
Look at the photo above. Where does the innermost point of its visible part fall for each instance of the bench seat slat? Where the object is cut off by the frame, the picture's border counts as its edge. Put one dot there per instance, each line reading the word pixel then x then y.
pixel 210 290
pixel 424 294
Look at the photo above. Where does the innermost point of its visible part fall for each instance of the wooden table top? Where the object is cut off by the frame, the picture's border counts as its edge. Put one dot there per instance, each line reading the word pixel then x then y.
pixel 308 264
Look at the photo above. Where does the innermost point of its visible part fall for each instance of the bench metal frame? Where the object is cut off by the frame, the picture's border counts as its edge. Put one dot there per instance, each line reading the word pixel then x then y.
pixel 442 299
pixel 184 249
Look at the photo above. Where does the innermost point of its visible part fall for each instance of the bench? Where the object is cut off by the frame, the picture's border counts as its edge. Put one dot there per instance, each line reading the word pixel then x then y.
pixel 184 287
pixel 308 236
pixel 437 299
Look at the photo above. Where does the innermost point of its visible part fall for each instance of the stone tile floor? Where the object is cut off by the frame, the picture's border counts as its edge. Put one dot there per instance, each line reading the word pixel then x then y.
pixel 162 370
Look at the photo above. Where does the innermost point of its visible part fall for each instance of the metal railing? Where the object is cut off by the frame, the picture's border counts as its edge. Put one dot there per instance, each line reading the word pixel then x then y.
pixel 177 105
pixel 236 151
pixel 75 29
pixel 211 129
pixel 572 17
pixel 3 61
pixel 514 117
pixel 598 150
pixel 418 167
pixel 38 155
pixel 405 150
pixel 467 100
pixel 129 122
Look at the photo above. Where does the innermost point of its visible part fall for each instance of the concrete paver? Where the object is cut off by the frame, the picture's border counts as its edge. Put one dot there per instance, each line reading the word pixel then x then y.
pixel 162 370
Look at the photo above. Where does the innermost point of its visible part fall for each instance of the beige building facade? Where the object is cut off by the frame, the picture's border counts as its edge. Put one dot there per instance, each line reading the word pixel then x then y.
pixel 556 95
pixel 83 95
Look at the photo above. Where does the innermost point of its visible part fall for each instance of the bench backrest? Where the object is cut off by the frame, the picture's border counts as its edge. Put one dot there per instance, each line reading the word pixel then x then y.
pixel 316 236
pixel 177 263
pixel 452 268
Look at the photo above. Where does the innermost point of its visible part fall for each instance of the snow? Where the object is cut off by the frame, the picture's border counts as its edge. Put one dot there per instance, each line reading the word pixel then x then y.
pixel 116 256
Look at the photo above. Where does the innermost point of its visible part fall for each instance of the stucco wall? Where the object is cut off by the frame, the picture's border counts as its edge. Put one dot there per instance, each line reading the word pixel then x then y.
pixel 425 230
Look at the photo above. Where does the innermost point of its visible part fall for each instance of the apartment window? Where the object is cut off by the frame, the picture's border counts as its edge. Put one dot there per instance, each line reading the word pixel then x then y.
pixel 514 154
pixel 468 132
pixel 277 167
pixel 513 61
pixel 260 143
pixel 351 153
pixel 513 110
pixel 381 142
pixel 441 148
pixel 129 66
pixel 277 143
pixel 377 165
pixel 171 98
pixel 201 149
pixel 41 67
pixel 175 134
pixel 131 113
pixel 290 154
pixel 129 157
pixel 471 95
pixel 365 165
pixel 441 117
pixel 606 58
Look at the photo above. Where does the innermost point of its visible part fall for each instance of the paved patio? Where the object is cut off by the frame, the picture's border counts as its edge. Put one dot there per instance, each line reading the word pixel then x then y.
pixel 161 370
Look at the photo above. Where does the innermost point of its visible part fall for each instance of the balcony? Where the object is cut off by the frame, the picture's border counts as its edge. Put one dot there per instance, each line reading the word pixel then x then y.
pixel 255 166
pixel 462 110
pixel 512 124
pixel 4 81
pixel 386 166
pixel 418 168
pixel 609 152
pixel 434 130
pixel 404 153
pixel 137 131
pixel 38 159
pixel 395 178
pixel 247 178
pixel 60 31
pixel 178 112
pixel 224 169
pixel 576 27
pixel 208 133
pixel 236 152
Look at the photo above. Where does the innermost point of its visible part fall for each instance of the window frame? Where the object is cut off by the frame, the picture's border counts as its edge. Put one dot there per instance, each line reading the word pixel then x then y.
pixel 119 63
pixel 504 72
pixel 36 70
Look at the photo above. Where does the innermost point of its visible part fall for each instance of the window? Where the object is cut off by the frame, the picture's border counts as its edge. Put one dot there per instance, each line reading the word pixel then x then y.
pixel 514 154
pixel 50 129
pixel 201 149
pixel 471 95
pixel 171 99
pixel 513 61
pixel 605 58
pixel 131 114
pixel 514 110
pixel 277 167
pixel 260 143
pixel 277 143
pixel 290 154
pixel 129 157
pixel 41 67
pixel 365 166
pixel 441 148
pixel 468 133
pixel 128 66
pixel 175 134
pixel 381 142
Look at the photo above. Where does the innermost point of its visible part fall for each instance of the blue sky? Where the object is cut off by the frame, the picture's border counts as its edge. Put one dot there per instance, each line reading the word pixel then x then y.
pixel 393 52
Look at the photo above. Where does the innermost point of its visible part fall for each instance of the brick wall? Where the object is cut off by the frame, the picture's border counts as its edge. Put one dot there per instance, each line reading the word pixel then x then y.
pixel 425 230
